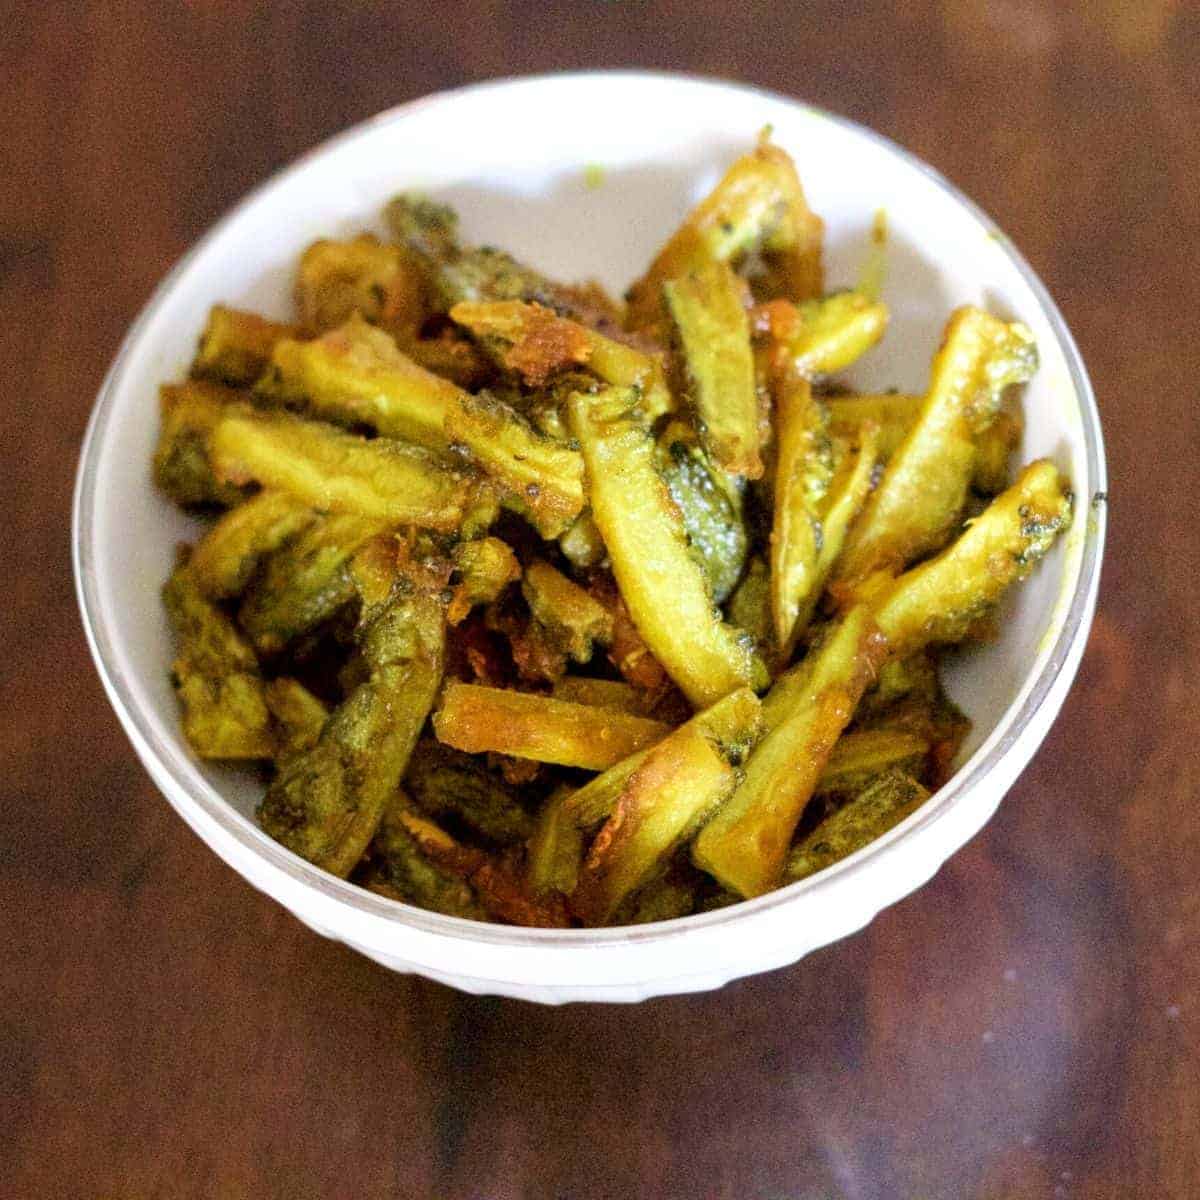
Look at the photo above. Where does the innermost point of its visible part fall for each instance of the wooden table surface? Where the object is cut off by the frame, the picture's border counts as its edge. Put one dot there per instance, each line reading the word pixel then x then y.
pixel 1027 1025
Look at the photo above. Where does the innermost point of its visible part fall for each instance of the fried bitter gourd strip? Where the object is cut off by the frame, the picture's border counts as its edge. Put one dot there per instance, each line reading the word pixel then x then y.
pixel 225 559
pixel 921 493
pixel 326 803
pixel 882 804
pixel 859 756
pixel 744 846
pixel 713 333
pixel 363 275
pixel 216 677
pixel 336 471
pixel 820 337
pixel 661 583
pixel 236 346
pixel 938 600
pixel 299 715
pixel 482 719
pixel 601 693
pixel 484 567
pixel 182 464
pixel 573 618
pixel 672 791
pixel 555 848
pixel 802 474
pixel 305 582
pixel 758 204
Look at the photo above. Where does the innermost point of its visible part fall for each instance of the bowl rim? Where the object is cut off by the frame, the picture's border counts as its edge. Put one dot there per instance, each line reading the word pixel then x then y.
pixel 1090 507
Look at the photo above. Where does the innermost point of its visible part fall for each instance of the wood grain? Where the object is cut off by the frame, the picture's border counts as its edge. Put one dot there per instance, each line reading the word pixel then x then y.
pixel 1028 1025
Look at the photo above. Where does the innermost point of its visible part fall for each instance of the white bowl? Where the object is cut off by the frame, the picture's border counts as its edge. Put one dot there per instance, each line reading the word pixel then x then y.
pixel 585 175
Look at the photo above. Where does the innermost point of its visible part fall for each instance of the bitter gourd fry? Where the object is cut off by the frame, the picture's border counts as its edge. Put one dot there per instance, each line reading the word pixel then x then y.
pixel 541 478
pixel 524 725
pixel 216 677
pixel 377 280
pixel 236 346
pixel 920 495
pixel 734 724
pixel 356 375
pixel 744 846
pixel 823 336
pixel 326 803
pixel 882 804
pixel 758 204
pixel 864 753
pixel 582 545
pixel 661 583
pixel 804 466
pixel 749 607
pixel 225 558
pixel 410 875
pixel 182 466
pixel 710 503
pixel 572 618
pixel 336 471
pixel 601 693
pixel 555 849
pixel 445 782
pixel 938 600
pixel 994 447
pixel 893 414
pixel 484 568
pixel 674 895
pixel 299 715
pixel 305 582
pixel 712 331
pixel 680 782
pixel 428 229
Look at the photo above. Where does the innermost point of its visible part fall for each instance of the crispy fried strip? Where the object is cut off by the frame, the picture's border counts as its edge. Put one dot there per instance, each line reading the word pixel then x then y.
pixel 659 580
pixel 236 346
pixel 182 464
pixel 821 337
pixel 573 619
pixel 482 719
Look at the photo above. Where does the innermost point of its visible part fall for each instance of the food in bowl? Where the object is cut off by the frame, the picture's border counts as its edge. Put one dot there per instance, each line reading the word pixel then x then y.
pixel 543 609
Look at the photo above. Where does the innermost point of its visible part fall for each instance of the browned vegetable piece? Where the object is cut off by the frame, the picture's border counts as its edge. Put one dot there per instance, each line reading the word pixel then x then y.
pixel 758 205
pixel 380 282
pixel 480 719
pixel 860 756
pixel 555 849
pixel 236 346
pixel 182 464
pixel 601 693
pixel 821 337
pixel 485 567
pixel 572 618
pixel 744 846
pixel 298 714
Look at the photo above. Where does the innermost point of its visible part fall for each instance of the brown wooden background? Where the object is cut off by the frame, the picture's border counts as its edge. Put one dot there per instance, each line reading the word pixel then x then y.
pixel 1028 1025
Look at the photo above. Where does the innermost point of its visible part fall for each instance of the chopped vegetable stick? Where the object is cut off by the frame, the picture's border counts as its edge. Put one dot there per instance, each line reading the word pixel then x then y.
pixel 182 465
pixel 883 804
pixel 226 557
pixel 305 582
pixel 326 803
pixel 802 475
pixel 861 755
pixel 679 783
pixel 297 712
pixel 659 580
pixel 571 616
pixel 236 346
pixel 713 332
pixel 556 848
pixel 216 677
pixel 993 450
pixel 601 693
pixel 485 566
pixel 745 844
pixel 758 204
pixel 444 782
pixel 543 477
pixel 337 471
pixel 409 875
pixel 582 544
pixel 481 719
pixel 893 413
pixel 363 275
pixel 734 724
pixel 663 899
pixel 921 493
pixel 938 600
pixel 749 607
pixel 820 337
pixel 356 375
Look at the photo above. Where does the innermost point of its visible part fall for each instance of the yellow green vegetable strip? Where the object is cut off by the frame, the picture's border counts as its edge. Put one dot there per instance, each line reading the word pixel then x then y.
pixel 556 848
pixel 182 464
pixel 744 846
pixel 660 582
pixel 236 346
pixel 920 497
pixel 938 600
pixel 572 617
pixel 336 471
pixel 821 337
pixel 299 715
pixel 713 333
pixel 861 755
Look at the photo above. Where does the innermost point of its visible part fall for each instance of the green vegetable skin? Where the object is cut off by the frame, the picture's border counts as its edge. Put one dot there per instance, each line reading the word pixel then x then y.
pixel 326 803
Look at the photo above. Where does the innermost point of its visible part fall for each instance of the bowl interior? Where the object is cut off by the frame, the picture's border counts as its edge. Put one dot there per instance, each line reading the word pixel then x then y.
pixel 583 176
